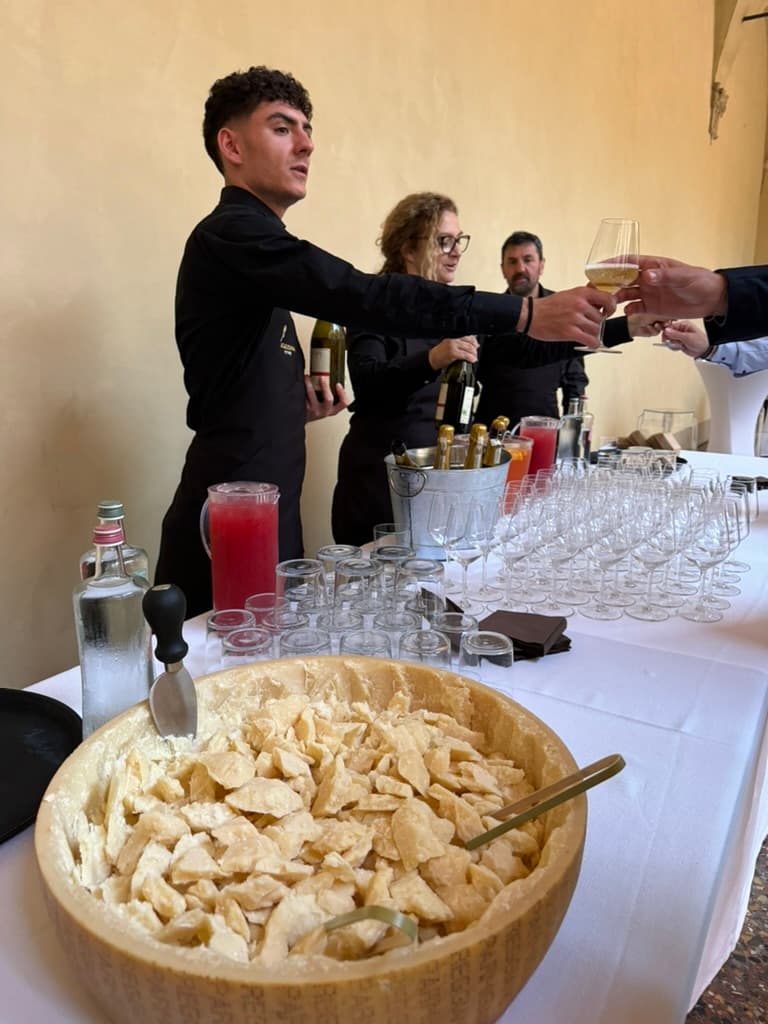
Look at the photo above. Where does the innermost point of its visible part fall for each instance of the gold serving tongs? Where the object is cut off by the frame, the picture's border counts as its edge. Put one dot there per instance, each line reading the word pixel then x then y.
pixel 545 799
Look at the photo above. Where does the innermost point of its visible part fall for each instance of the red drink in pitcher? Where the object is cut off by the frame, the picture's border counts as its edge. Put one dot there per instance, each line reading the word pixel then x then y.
pixel 543 432
pixel 243 529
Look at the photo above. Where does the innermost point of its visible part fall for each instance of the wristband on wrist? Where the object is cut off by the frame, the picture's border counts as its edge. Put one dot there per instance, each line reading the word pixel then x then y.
pixel 708 354
pixel 529 317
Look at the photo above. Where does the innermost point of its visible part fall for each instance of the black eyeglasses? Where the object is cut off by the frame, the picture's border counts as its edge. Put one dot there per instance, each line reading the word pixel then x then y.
pixel 447 243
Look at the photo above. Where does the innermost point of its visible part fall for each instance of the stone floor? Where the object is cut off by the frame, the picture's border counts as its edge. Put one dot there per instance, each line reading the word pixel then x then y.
pixel 739 993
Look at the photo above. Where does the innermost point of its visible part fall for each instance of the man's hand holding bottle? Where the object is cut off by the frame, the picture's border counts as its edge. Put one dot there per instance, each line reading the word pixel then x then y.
pixel 320 410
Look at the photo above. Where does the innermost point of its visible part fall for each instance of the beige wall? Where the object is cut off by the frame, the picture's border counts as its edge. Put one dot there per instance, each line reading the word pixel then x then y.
pixel 542 116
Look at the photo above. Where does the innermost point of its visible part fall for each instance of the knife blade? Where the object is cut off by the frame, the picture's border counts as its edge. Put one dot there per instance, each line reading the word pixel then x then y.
pixel 172 696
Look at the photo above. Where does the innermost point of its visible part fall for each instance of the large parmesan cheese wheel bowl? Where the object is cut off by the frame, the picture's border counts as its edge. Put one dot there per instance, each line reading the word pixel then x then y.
pixel 467 976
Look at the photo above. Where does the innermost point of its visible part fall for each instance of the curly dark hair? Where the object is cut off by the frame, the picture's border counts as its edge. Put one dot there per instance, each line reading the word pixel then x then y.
pixel 240 93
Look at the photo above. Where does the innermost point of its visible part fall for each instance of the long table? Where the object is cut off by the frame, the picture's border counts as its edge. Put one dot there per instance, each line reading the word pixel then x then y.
pixel 671 841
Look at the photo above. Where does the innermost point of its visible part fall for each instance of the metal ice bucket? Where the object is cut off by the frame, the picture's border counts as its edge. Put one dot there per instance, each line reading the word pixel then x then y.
pixel 411 491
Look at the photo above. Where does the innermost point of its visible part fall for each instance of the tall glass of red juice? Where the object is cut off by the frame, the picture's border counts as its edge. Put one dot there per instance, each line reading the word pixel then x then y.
pixel 543 432
pixel 242 532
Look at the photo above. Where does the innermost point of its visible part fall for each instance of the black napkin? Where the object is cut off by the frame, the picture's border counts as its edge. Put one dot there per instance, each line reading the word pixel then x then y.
pixel 532 635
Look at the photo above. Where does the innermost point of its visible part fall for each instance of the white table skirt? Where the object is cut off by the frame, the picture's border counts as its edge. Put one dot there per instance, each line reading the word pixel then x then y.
pixel 671 841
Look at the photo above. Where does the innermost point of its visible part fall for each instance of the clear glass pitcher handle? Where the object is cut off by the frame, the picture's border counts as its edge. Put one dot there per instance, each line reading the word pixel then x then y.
pixel 514 429
pixel 204 528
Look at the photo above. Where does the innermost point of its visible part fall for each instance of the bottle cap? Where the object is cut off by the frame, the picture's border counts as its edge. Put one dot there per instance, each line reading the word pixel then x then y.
pixel 105 535
pixel 110 509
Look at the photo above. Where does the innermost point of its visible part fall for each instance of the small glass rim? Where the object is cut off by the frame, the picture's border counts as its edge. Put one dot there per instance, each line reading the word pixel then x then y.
pixel 332 619
pixel 337 552
pixel 241 641
pixel 421 568
pixel 393 614
pixel 485 643
pixel 357 567
pixel 365 636
pixel 277 601
pixel 238 618
pixel 298 568
pixel 425 641
pixel 269 622
pixel 304 640
pixel 451 621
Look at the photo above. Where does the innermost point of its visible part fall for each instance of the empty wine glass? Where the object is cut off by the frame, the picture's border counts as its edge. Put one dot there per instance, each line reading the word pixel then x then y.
pixel 437 523
pixel 483 515
pixel 708 545
pixel 461 544
pixel 658 545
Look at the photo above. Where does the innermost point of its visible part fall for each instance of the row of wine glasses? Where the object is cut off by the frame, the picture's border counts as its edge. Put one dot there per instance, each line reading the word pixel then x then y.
pixel 602 542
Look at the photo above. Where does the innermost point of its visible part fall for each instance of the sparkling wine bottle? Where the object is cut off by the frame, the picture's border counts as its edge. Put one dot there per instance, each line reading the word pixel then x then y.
pixel 443 449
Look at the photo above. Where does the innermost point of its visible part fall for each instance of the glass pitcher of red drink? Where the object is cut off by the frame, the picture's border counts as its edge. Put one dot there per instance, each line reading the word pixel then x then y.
pixel 238 525
pixel 543 432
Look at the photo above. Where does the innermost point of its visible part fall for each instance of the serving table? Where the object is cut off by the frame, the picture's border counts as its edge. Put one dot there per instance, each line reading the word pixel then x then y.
pixel 671 841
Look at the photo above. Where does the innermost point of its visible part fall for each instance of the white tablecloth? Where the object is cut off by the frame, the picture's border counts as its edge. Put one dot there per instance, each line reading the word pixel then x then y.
pixel 671 841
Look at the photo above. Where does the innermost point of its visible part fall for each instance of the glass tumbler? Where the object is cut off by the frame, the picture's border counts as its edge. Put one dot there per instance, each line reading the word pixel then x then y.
pixel 391 533
pixel 488 657
pixel 301 581
pixel 427 646
pixel 217 626
pixel 336 621
pixel 359 586
pixel 372 643
pixel 242 646
pixel 394 623
pixel 260 604
pixel 330 555
pixel 282 620
pixel 297 643
pixel 420 587
pixel 454 625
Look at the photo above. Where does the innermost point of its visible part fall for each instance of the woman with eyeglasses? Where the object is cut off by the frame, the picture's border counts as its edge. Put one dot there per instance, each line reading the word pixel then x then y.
pixel 396 378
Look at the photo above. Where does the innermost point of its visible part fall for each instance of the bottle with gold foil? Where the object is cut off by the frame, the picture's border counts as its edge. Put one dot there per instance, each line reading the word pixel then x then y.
pixel 400 452
pixel 478 439
pixel 494 448
pixel 443 449
pixel 326 357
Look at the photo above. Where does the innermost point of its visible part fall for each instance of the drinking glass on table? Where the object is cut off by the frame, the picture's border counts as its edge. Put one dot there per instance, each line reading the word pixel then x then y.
pixel 519 450
pixel 420 587
pixel 370 643
pixel 427 646
pixel 395 623
pixel 542 431
pixel 483 516
pixel 329 555
pixel 336 621
pixel 454 625
pixel 391 533
pixel 488 657
pixel 359 586
pixel 217 626
pixel 301 581
pixel 260 604
pixel 613 260
pixel 297 643
pixel 280 621
pixel 243 646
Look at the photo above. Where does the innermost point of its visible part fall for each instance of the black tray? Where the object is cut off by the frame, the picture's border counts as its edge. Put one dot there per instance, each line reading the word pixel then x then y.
pixel 37 733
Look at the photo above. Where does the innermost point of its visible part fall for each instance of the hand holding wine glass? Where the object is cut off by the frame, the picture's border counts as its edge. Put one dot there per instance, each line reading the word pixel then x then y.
pixel 614 260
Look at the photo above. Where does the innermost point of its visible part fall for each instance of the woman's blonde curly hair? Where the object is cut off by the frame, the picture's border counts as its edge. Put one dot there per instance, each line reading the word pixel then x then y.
pixel 415 217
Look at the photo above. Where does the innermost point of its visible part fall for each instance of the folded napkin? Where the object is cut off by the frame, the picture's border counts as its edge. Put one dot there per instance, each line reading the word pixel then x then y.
pixel 532 635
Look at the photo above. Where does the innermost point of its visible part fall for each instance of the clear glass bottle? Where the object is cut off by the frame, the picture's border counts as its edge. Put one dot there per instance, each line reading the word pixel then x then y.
pixel 327 349
pixel 587 428
pixel 113 637
pixel 136 560
pixel 569 433
pixel 456 396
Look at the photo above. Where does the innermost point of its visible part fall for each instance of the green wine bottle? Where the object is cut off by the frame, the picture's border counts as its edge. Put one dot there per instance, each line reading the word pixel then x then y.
pixel 454 401
pixel 326 357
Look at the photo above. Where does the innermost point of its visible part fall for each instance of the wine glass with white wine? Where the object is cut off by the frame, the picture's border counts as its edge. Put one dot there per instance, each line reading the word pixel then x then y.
pixel 613 260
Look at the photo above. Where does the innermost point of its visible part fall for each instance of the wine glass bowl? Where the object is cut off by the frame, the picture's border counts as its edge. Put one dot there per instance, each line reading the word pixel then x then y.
pixel 613 261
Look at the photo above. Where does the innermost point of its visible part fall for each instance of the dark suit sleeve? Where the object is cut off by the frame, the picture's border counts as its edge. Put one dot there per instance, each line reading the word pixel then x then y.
pixel 747 315
pixel 303 278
